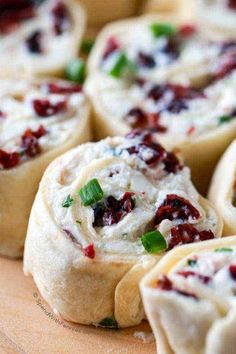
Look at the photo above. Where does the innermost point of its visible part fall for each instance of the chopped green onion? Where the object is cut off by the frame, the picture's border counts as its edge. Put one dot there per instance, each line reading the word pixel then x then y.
pixel 224 119
pixel 163 29
pixel 191 262
pixel 87 45
pixel 154 242
pixel 109 323
pixel 78 221
pixel 91 192
pixel 68 202
pixel 122 66
pixel 76 71
pixel 223 249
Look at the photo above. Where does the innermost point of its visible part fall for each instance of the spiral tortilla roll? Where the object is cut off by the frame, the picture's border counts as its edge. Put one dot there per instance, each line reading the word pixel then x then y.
pixel 97 208
pixel 39 40
pixel 189 298
pixel 39 120
pixel 173 81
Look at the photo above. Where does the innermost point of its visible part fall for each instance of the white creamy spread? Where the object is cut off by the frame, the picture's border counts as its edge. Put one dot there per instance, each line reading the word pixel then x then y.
pixel 118 172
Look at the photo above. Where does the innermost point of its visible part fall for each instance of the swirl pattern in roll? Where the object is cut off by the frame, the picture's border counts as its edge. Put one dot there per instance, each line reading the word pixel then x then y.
pixel 168 78
pixel 104 214
pixel 189 298
pixel 39 37
pixel 39 120
pixel 222 190
pixel 217 18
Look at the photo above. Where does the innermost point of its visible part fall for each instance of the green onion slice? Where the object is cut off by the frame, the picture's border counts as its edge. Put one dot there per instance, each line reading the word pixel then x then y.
pixel 223 249
pixel 87 45
pixel 122 66
pixel 191 262
pixel 154 242
pixel 108 323
pixel 163 29
pixel 68 202
pixel 224 119
pixel 76 71
pixel 91 192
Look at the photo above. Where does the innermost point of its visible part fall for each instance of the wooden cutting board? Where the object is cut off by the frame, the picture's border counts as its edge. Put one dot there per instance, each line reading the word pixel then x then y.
pixel 27 324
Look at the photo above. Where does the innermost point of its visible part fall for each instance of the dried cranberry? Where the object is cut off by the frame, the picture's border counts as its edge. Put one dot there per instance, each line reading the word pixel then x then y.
pixel 164 283
pixel 189 273
pixel 111 47
pixel 173 98
pixel 232 271
pixel 170 50
pixel 63 89
pixel 61 17
pixel 175 207
pixel 186 233
pixel 171 163
pixel 226 65
pixel 9 160
pixel 2 115
pixel 232 4
pixel 13 12
pixel 89 251
pixel 142 135
pixel 146 60
pixel 29 141
pixel 111 210
pixel 187 30
pixel 136 117
pixel 44 108
pixel 33 42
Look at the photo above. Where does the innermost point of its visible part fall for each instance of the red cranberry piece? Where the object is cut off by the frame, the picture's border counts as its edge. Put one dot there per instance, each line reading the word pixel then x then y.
pixel 89 251
pixel 111 211
pixel 2 115
pixel 175 207
pixel 170 49
pixel 61 17
pixel 232 271
pixel 29 141
pixel 171 163
pixel 33 42
pixel 142 135
pixel 136 117
pixel 226 65
pixel 13 12
pixel 187 30
pixel 111 47
pixel 164 283
pixel 186 233
pixel 146 60
pixel 188 273
pixel 9 160
pixel 63 89
pixel 44 108
pixel 232 4
pixel 153 122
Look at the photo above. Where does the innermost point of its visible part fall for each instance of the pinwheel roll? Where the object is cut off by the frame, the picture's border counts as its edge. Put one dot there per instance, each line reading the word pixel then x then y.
pixel 39 38
pixel 222 190
pixel 168 79
pixel 189 299
pixel 217 18
pixel 39 120
pixel 104 214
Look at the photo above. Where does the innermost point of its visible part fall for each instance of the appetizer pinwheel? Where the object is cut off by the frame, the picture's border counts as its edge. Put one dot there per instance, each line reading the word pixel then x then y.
pixel 104 214
pixel 222 190
pixel 181 9
pixel 217 18
pixel 189 299
pixel 166 78
pixel 39 120
pixel 39 37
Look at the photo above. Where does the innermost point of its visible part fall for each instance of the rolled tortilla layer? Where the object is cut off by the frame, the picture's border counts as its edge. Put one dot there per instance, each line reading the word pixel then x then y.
pixel 222 189
pixel 39 120
pixel 39 40
pixel 164 77
pixel 98 211
pixel 189 298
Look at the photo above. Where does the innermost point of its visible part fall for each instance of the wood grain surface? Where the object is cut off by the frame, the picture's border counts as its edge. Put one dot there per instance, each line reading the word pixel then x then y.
pixel 28 325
